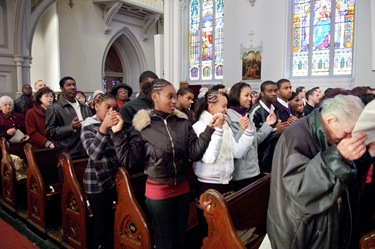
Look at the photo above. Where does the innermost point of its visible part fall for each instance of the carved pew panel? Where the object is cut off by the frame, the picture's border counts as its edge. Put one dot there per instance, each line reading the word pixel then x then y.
pixel 368 241
pixel 239 220
pixel 13 191
pixel 131 229
pixel 75 213
pixel 43 188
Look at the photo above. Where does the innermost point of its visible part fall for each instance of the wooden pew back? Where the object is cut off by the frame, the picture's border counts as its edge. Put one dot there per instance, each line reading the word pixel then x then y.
pixel 75 212
pixel 13 191
pixel 367 241
pixel 43 188
pixel 131 229
pixel 238 220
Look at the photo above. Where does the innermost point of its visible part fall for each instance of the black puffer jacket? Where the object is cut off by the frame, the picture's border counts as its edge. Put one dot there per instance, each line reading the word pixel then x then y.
pixel 162 146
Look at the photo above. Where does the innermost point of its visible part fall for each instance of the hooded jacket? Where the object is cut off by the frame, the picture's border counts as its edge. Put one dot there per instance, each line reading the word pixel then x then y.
pixel 102 164
pixel 163 146
pixel 308 176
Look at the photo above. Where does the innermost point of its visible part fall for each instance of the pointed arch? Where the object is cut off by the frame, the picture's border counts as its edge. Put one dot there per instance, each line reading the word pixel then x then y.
pixel 127 46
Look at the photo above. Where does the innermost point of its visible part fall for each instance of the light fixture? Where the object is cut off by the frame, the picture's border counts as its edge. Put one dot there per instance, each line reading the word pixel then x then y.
pixel 252 2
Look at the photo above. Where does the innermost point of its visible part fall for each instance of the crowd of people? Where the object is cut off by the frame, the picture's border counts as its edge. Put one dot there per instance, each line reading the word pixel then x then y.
pixel 321 174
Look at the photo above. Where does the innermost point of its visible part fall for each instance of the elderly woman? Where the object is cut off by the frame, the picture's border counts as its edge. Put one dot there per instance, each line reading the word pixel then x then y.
pixel 10 121
pixel 36 117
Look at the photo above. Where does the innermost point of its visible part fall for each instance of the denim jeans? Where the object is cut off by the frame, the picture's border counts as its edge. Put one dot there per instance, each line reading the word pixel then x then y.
pixel 169 220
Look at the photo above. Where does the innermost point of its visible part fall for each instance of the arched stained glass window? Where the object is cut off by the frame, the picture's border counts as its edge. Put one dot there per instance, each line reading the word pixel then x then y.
pixel 322 37
pixel 206 35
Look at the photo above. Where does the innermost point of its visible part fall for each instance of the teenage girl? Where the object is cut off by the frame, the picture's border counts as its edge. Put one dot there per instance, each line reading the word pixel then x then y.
pixel 163 141
pixel 246 168
pixel 99 184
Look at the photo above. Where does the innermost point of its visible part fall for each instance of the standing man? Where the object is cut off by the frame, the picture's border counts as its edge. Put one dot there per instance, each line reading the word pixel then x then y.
pixel 260 112
pixel 39 85
pixel 284 111
pixel 25 101
pixel 143 101
pixel 312 100
pixel 185 97
pixel 311 168
pixel 64 120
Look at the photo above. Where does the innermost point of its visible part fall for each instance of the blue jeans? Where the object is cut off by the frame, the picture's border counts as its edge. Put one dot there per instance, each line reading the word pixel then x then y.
pixel 169 220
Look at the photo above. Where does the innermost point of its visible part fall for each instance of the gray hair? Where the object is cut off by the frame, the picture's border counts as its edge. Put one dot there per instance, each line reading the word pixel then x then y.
pixel 346 108
pixel 6 98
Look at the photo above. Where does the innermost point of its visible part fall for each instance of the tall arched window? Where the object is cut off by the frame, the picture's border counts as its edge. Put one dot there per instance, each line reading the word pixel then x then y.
pixel 322 39
pixel 206 35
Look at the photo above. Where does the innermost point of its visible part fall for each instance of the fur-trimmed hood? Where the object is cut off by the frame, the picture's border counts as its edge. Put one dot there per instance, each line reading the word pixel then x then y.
pixel 142 118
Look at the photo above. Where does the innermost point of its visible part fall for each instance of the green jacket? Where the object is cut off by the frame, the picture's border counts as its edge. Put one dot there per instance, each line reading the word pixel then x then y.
pixel 308 177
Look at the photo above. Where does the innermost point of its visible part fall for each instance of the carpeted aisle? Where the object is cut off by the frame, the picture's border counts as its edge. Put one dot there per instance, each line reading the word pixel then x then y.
pixel 11 239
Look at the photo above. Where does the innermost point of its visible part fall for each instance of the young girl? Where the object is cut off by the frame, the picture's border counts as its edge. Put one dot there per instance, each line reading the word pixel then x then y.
pixel 246 168
pixel 163 141
pixel 96 135
pixel 216 167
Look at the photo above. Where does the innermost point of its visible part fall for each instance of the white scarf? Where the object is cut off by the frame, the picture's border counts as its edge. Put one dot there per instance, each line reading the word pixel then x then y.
pixel 226 149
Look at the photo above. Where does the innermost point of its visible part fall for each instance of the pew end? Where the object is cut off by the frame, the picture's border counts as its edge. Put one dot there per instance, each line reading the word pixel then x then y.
pixel 13 190
pixel 75 212
pixel 43 188
pixel 131 229
pixel 237 220
pixel 367 241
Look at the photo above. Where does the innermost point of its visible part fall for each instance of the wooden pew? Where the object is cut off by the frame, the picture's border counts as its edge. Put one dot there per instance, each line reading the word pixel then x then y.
pixel 13 191
pixel 75 212
pixel 239 219
pixel 131 229
pixel 43 188
pixel 368 241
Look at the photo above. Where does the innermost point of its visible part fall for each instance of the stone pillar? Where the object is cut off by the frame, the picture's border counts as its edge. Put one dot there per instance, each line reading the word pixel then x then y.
pixel 172 42
pixel 19 63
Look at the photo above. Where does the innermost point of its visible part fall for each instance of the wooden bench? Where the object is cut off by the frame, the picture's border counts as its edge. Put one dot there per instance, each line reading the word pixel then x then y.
pixel 43 188
pixel 367 241
pixel 239 219
pixel 131 229
pixel 75 210
pixel 13 191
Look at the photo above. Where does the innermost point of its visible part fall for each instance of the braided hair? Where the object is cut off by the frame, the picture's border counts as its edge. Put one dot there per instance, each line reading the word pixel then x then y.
pixel 211 96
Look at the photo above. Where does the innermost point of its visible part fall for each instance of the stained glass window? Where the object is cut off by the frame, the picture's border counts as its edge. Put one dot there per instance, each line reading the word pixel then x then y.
pixel 322 37
pixel 206 35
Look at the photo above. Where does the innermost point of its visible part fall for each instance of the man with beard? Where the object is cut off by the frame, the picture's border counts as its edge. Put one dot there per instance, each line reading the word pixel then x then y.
pixel 260 112
pixel 25 101
pixel 64 120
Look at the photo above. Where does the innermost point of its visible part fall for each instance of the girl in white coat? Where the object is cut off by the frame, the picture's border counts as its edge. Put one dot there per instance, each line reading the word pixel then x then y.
pixel 215 169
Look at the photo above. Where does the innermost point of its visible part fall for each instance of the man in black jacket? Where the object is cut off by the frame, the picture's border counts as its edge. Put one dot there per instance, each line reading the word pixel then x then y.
pixel 260 112
pixel 64 120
